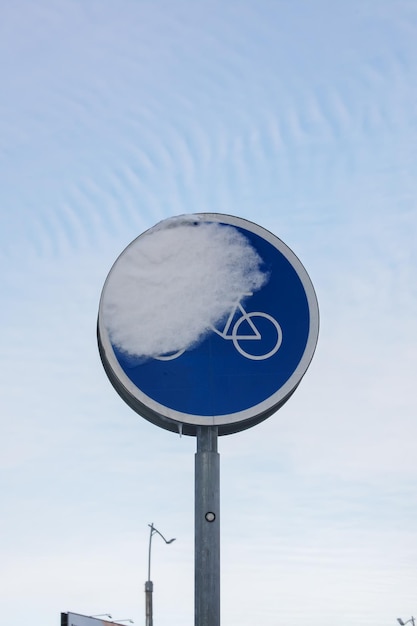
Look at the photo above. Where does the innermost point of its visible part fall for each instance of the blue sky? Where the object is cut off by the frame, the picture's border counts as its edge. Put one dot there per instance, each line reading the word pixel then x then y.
pixel 301 117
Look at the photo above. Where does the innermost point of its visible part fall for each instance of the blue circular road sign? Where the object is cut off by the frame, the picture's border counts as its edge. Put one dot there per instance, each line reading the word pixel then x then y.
pixel 207 320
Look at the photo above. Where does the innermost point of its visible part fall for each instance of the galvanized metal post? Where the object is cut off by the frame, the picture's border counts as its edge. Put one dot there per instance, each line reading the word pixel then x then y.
pixel 148 602
pixel 207 528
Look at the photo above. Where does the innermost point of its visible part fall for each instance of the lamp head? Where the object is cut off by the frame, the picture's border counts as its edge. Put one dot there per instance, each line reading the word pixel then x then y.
pixel 399 620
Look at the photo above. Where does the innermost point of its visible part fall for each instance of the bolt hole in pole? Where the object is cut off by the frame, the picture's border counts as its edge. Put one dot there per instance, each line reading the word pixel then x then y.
pixel 207 528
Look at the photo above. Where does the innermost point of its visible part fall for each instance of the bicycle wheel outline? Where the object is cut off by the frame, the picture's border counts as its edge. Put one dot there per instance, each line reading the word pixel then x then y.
pixel 170 357
pixel 236 338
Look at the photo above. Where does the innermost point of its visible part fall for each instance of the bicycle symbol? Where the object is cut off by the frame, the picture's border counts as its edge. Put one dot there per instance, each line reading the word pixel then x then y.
pixel 231 332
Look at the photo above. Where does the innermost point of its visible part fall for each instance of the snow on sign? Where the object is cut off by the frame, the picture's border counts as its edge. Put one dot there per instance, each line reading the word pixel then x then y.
pixel 207 319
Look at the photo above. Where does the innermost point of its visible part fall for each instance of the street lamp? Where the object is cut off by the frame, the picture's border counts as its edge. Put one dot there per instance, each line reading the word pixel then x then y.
pixel 412 620
pixel 149 583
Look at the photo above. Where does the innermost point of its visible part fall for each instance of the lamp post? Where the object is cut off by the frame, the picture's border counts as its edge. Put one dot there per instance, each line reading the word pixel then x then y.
pixel 149 583
pixel 412 620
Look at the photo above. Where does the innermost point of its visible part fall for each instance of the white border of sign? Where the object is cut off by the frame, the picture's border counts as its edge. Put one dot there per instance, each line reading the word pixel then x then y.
pixel 171 419
pixel 76 619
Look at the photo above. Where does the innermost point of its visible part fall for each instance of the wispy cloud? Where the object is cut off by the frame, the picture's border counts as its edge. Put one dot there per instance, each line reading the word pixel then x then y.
pixel 301 117
pixel 175 282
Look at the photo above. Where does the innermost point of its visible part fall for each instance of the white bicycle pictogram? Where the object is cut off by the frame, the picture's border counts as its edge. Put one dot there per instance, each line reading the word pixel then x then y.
pixel 231 332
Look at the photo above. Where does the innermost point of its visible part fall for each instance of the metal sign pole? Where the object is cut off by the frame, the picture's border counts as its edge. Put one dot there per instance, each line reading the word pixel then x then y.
pixel 207 528
pixel 148 602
